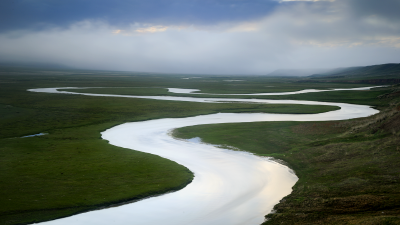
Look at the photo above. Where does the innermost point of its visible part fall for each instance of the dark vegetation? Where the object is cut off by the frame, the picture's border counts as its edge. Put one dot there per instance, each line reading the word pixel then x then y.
pixel 71 169
pixel 349 170
pixel 376 74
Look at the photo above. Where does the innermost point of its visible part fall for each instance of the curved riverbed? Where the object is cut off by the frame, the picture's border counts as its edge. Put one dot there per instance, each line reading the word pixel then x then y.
pixel 196 91
pixel 230 187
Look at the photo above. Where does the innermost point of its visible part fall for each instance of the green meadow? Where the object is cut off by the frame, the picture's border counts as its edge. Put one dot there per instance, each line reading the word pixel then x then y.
pixel 348 170
pixel 71 169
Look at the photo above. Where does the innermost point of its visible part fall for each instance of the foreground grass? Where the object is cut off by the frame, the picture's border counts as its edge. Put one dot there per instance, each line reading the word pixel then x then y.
pixel 348 170
pixel 71 169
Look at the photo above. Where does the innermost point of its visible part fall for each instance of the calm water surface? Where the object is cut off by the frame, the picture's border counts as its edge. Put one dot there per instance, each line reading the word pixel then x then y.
pixel 230 187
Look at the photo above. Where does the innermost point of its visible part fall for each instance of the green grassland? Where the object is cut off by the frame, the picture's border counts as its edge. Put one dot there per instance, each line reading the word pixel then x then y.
pixel 219 86
pixel 71 169
pixel 348 170
pixel 369 97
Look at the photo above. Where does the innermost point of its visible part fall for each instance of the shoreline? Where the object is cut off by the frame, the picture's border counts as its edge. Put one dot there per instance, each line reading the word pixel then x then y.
pixel 342 110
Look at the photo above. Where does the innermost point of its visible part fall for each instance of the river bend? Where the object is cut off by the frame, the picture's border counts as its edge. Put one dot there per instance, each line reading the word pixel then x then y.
pixel 229 187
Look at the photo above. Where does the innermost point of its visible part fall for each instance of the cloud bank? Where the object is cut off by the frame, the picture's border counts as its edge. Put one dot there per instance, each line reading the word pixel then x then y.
pixel 322 34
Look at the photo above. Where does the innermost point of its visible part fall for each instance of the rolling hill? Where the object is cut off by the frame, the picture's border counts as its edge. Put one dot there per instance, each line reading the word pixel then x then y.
pixel 375 74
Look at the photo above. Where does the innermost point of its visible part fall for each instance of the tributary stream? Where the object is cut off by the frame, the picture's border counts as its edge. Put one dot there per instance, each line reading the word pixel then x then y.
pixel 229 187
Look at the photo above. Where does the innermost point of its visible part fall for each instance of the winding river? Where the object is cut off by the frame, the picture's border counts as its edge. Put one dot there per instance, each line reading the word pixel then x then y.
pixel 230 187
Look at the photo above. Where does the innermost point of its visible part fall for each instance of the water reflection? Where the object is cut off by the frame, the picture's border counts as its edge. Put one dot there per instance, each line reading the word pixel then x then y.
pixel 194 140
pixel 34 135
pixel 195 91
pixel 230 187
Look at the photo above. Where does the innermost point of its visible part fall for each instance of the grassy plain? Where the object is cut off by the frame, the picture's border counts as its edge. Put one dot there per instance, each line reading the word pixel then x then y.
pixel 218 85
pixel 348 170
pixel 353 97
pixel 71 169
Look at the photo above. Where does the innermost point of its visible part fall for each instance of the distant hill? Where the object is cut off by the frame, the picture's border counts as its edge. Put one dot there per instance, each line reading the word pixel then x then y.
pixel 391 70
pixel 376 74
pixel 298 73
pixel 34 65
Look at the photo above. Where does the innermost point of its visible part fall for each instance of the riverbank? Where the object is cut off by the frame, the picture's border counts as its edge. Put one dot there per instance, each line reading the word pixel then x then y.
pixel 72 169
pixel 348 170
pixel 152 137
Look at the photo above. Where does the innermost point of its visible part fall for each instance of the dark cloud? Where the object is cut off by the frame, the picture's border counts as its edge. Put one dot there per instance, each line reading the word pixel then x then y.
pixel 42 14
pixel 295 35
pixel 385 9
pixel 342 22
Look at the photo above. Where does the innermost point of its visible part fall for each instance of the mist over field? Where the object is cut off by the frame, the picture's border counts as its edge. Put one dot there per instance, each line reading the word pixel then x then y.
pixel 216 37
pixel 199 112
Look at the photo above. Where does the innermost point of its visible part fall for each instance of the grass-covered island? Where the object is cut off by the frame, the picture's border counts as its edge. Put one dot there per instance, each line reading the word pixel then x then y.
pixel 348 170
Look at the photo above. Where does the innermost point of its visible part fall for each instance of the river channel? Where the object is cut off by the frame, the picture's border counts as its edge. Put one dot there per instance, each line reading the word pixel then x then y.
pixel 229 187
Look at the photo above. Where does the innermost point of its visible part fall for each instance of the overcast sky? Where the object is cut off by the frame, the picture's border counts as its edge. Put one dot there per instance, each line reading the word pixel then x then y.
pixel 200 36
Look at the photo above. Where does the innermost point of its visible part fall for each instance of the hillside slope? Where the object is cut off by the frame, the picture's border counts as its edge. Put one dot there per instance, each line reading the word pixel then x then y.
pixel 376 74
pixel 352 178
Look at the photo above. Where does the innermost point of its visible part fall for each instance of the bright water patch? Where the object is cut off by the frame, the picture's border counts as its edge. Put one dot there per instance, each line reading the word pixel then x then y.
pixel 34 135
pixel 196 91
pixel 182 90
pixel 229 187
pixel 187 78
pixel 194 140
